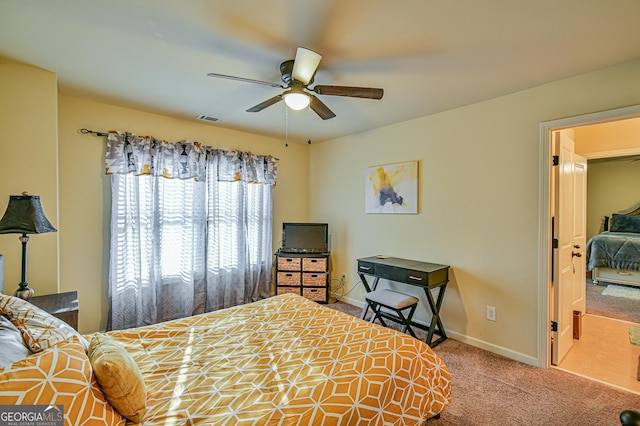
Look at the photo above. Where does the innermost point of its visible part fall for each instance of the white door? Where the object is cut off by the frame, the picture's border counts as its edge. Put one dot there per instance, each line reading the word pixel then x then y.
pixel 568 289
pixel 579 232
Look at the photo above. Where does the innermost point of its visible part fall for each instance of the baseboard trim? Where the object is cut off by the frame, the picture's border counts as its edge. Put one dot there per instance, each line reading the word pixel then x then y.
pixel 350 301
pixel 500 350
pixel 481 344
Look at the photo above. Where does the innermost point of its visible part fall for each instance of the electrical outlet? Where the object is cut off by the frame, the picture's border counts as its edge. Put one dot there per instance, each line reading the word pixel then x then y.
pixel 491 313
pixel 343 278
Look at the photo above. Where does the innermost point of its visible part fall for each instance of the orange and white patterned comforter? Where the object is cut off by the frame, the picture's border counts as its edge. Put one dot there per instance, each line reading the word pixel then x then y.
pixel 285 361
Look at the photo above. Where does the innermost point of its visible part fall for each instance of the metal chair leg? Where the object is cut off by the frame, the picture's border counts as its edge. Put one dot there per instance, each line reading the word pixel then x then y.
pixel 407 321
pixel 376 313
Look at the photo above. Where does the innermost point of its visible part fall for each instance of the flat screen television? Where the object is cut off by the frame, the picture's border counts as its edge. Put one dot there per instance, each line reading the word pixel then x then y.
pixel 305 237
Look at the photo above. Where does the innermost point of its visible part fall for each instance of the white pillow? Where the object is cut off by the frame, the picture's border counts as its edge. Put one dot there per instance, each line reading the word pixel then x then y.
pixel 40 330
pixel 12 344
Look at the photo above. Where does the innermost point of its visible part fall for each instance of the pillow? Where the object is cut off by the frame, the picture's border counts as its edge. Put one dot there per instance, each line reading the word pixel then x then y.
pixel 40 330
pixel 59 376
pixel 625 223
pixel 119 377
pixel 13 347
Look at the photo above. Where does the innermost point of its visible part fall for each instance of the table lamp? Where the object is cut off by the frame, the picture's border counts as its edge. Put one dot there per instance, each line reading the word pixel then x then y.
pixel 24 216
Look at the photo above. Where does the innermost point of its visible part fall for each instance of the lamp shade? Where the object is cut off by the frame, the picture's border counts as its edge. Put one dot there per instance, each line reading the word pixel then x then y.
pixel 24 215
pixel 296 100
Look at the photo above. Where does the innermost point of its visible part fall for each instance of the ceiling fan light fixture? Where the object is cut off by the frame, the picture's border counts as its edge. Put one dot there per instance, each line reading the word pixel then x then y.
pixel 297 74
pixel 296 100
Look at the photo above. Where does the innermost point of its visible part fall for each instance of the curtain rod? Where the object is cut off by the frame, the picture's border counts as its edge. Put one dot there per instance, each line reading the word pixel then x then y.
pixel 87 131
pixel 93 132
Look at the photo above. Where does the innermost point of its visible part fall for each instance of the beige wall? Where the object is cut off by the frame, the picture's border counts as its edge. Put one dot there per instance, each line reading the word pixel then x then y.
pixel 612 186
pixel 479 205
pixel 85 195
pixel 479 185
pixel 28 162
pixel 32 146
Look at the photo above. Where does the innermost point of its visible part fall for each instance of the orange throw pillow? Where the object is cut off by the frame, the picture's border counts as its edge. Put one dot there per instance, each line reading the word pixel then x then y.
pixel 59 376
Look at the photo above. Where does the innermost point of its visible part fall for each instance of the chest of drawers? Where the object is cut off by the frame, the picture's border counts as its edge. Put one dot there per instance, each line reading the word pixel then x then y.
pixel 303 274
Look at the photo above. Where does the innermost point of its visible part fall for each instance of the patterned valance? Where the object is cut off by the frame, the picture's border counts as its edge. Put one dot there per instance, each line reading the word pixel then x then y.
pixel 145 155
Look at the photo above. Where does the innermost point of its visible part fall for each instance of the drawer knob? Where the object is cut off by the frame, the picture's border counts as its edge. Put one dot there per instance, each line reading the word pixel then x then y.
pixel 415 278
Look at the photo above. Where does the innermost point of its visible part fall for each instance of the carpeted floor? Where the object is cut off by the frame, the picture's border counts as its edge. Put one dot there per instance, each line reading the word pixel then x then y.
pixel 626 309
pixel 488 389
pixel 623 291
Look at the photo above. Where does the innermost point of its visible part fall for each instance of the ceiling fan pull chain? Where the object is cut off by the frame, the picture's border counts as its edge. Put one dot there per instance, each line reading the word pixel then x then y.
pixel 286 127
pixel 308 123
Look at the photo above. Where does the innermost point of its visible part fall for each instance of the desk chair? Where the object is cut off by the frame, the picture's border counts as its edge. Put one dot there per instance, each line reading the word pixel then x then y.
pixel 395 301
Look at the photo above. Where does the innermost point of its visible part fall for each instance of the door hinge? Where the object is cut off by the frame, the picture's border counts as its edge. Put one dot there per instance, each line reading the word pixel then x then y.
pixel 554 326
pixel 556 160
pixel 554 243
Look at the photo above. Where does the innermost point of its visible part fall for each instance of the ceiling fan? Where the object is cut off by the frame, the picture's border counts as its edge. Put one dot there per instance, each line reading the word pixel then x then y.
pixel 298 74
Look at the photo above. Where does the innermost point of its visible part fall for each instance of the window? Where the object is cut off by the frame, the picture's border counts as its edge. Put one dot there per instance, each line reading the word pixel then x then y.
pixel 185 246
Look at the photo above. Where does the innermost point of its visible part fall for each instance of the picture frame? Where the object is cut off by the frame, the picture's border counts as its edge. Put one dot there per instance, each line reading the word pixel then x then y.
pixel 392 188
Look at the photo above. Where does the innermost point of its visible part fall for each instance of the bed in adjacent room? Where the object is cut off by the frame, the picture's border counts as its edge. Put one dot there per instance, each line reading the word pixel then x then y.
pixel 283 360
pixel 613 256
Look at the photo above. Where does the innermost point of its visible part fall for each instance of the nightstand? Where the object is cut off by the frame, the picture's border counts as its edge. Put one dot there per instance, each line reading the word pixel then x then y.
pixel 60 305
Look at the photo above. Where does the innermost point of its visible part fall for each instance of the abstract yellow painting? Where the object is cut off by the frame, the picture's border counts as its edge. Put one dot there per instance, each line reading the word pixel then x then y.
pixel 392 188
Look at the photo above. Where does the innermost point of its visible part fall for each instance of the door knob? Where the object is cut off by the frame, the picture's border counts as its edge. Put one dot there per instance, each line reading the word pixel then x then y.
pixel 576 254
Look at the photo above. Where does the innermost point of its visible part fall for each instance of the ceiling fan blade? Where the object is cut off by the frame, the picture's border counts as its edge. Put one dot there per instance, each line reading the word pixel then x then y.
pixel 320 108
pixel 265 104
pixel 354 92
pixel 247 80
pixel 305 65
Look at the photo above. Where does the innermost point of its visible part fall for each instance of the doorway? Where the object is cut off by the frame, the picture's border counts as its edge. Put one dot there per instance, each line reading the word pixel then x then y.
pixel 613 188
pixel 547 221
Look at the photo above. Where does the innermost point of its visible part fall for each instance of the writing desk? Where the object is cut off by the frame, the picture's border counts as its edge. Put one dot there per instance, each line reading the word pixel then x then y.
pixel 429 276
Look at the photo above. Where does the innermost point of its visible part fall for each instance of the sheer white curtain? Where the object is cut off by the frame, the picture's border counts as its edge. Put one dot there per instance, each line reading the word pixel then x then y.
pixel 190 229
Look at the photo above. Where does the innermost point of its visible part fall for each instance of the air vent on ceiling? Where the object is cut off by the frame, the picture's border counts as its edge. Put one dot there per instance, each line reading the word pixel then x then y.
pixel 207 118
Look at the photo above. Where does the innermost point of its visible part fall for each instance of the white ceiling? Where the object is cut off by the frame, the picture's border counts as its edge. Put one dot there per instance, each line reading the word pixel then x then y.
pixel 428 55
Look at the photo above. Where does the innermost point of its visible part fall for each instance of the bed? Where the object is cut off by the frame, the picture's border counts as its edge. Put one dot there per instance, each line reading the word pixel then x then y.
pixel 283 361
pixel 613 256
